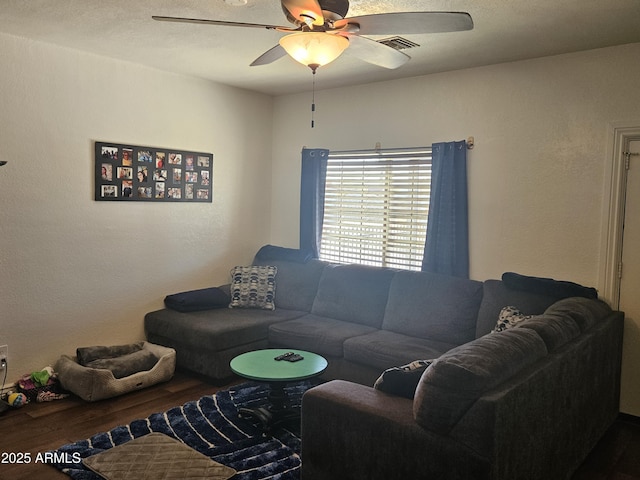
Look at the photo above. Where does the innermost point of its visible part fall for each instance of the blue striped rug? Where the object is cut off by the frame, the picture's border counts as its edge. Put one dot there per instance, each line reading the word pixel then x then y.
pixel 212 427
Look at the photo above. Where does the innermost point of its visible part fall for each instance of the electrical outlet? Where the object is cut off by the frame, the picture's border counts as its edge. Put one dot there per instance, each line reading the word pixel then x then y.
pixel 4 356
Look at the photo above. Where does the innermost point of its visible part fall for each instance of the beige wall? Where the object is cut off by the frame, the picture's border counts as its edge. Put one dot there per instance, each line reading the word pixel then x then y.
pixel 538 179
pixel 536 175
pixel 76 272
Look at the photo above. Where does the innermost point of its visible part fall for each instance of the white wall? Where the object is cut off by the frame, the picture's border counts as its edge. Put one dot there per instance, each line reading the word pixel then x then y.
pixel 538 172
pixel 76 272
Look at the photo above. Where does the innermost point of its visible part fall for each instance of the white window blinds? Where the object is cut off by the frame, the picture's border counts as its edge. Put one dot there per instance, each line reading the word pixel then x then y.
pixel 376 207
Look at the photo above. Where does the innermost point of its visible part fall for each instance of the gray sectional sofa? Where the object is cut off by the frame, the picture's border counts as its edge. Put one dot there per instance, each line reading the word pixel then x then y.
pixel 526 403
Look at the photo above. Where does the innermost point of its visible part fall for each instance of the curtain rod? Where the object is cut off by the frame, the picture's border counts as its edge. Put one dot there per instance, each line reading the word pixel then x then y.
pixel 378 147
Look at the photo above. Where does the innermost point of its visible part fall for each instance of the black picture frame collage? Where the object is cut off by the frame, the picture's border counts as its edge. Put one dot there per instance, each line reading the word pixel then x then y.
pixel 139 173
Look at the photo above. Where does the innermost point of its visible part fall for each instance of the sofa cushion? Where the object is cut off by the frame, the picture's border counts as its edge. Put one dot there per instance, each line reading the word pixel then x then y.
pixel 297 282
pixel 585 312
pixel 383 349
pixel 313 333
pixel 496 295
pixel 253 287
pixel 402 381
pixel 196 300
pixel 458 378
pixel 433 306
pixel 353 293
pixel 547 286
pixel 214 330
pixel 269 253
pixel 555 330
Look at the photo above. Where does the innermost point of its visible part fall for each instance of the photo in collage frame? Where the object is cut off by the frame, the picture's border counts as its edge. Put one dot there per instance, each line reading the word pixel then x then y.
pixel 134 173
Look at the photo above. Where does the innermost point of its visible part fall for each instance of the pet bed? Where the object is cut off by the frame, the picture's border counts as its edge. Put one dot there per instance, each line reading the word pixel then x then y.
pixel 91 383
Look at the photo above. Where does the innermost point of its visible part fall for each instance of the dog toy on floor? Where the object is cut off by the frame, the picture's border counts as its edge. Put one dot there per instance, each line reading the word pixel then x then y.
pixel 17 400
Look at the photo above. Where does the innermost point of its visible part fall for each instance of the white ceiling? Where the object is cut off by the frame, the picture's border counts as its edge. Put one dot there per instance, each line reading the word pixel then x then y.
pixel 505 30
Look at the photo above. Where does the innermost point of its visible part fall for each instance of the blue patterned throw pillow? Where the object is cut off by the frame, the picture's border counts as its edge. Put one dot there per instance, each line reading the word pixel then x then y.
pixel 253 287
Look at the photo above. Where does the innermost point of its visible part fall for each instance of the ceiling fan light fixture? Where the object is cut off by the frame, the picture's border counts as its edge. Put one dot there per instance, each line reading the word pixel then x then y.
pixel 314 49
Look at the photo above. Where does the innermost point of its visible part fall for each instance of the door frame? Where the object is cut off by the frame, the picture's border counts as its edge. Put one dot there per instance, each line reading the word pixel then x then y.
pixel 619 136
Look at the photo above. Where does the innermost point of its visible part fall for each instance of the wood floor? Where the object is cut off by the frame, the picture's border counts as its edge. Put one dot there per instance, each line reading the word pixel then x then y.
pixel 617 455
pixel 39 427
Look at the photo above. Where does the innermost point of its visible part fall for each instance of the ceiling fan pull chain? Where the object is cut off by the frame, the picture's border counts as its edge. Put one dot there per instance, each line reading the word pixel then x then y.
pixel 313 99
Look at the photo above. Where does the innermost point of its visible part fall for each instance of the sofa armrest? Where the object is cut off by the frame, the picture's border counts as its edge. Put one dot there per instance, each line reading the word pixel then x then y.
pixel 351 431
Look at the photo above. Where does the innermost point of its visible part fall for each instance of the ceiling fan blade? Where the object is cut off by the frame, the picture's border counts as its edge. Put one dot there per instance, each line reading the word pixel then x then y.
pixel 409 22
pixel 223 23
pixel 269 56
pixel 305 10
pixel 376 53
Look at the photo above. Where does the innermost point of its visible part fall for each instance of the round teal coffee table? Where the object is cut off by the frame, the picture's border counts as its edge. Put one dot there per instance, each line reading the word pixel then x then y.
pixel 262 366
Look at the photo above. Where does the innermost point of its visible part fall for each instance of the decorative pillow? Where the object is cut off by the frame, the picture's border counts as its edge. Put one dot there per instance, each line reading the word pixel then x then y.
pixel 547 286
pixel 402 381
pixel 271 252
pixel 196 300
pixel 509 317
pixel 253 287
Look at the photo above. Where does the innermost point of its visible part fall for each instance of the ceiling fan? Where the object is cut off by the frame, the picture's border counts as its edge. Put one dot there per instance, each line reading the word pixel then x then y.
pixel 322 31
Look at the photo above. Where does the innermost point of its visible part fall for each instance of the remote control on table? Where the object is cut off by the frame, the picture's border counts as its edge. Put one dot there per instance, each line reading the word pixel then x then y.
pixel 284 356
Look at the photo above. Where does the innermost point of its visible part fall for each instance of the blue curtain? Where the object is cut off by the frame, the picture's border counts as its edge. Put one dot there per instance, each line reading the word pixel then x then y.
pixel 447 247
pixel 312 183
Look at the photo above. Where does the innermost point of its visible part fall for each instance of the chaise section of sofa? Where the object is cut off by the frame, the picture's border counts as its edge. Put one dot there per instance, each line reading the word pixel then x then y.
pixel 527 403
pixel 205 341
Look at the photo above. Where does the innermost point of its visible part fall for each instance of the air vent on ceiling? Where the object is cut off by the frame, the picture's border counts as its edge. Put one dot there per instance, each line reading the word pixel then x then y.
pixel 398 43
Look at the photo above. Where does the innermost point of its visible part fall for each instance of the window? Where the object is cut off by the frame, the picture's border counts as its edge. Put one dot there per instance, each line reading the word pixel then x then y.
pixel 376 207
